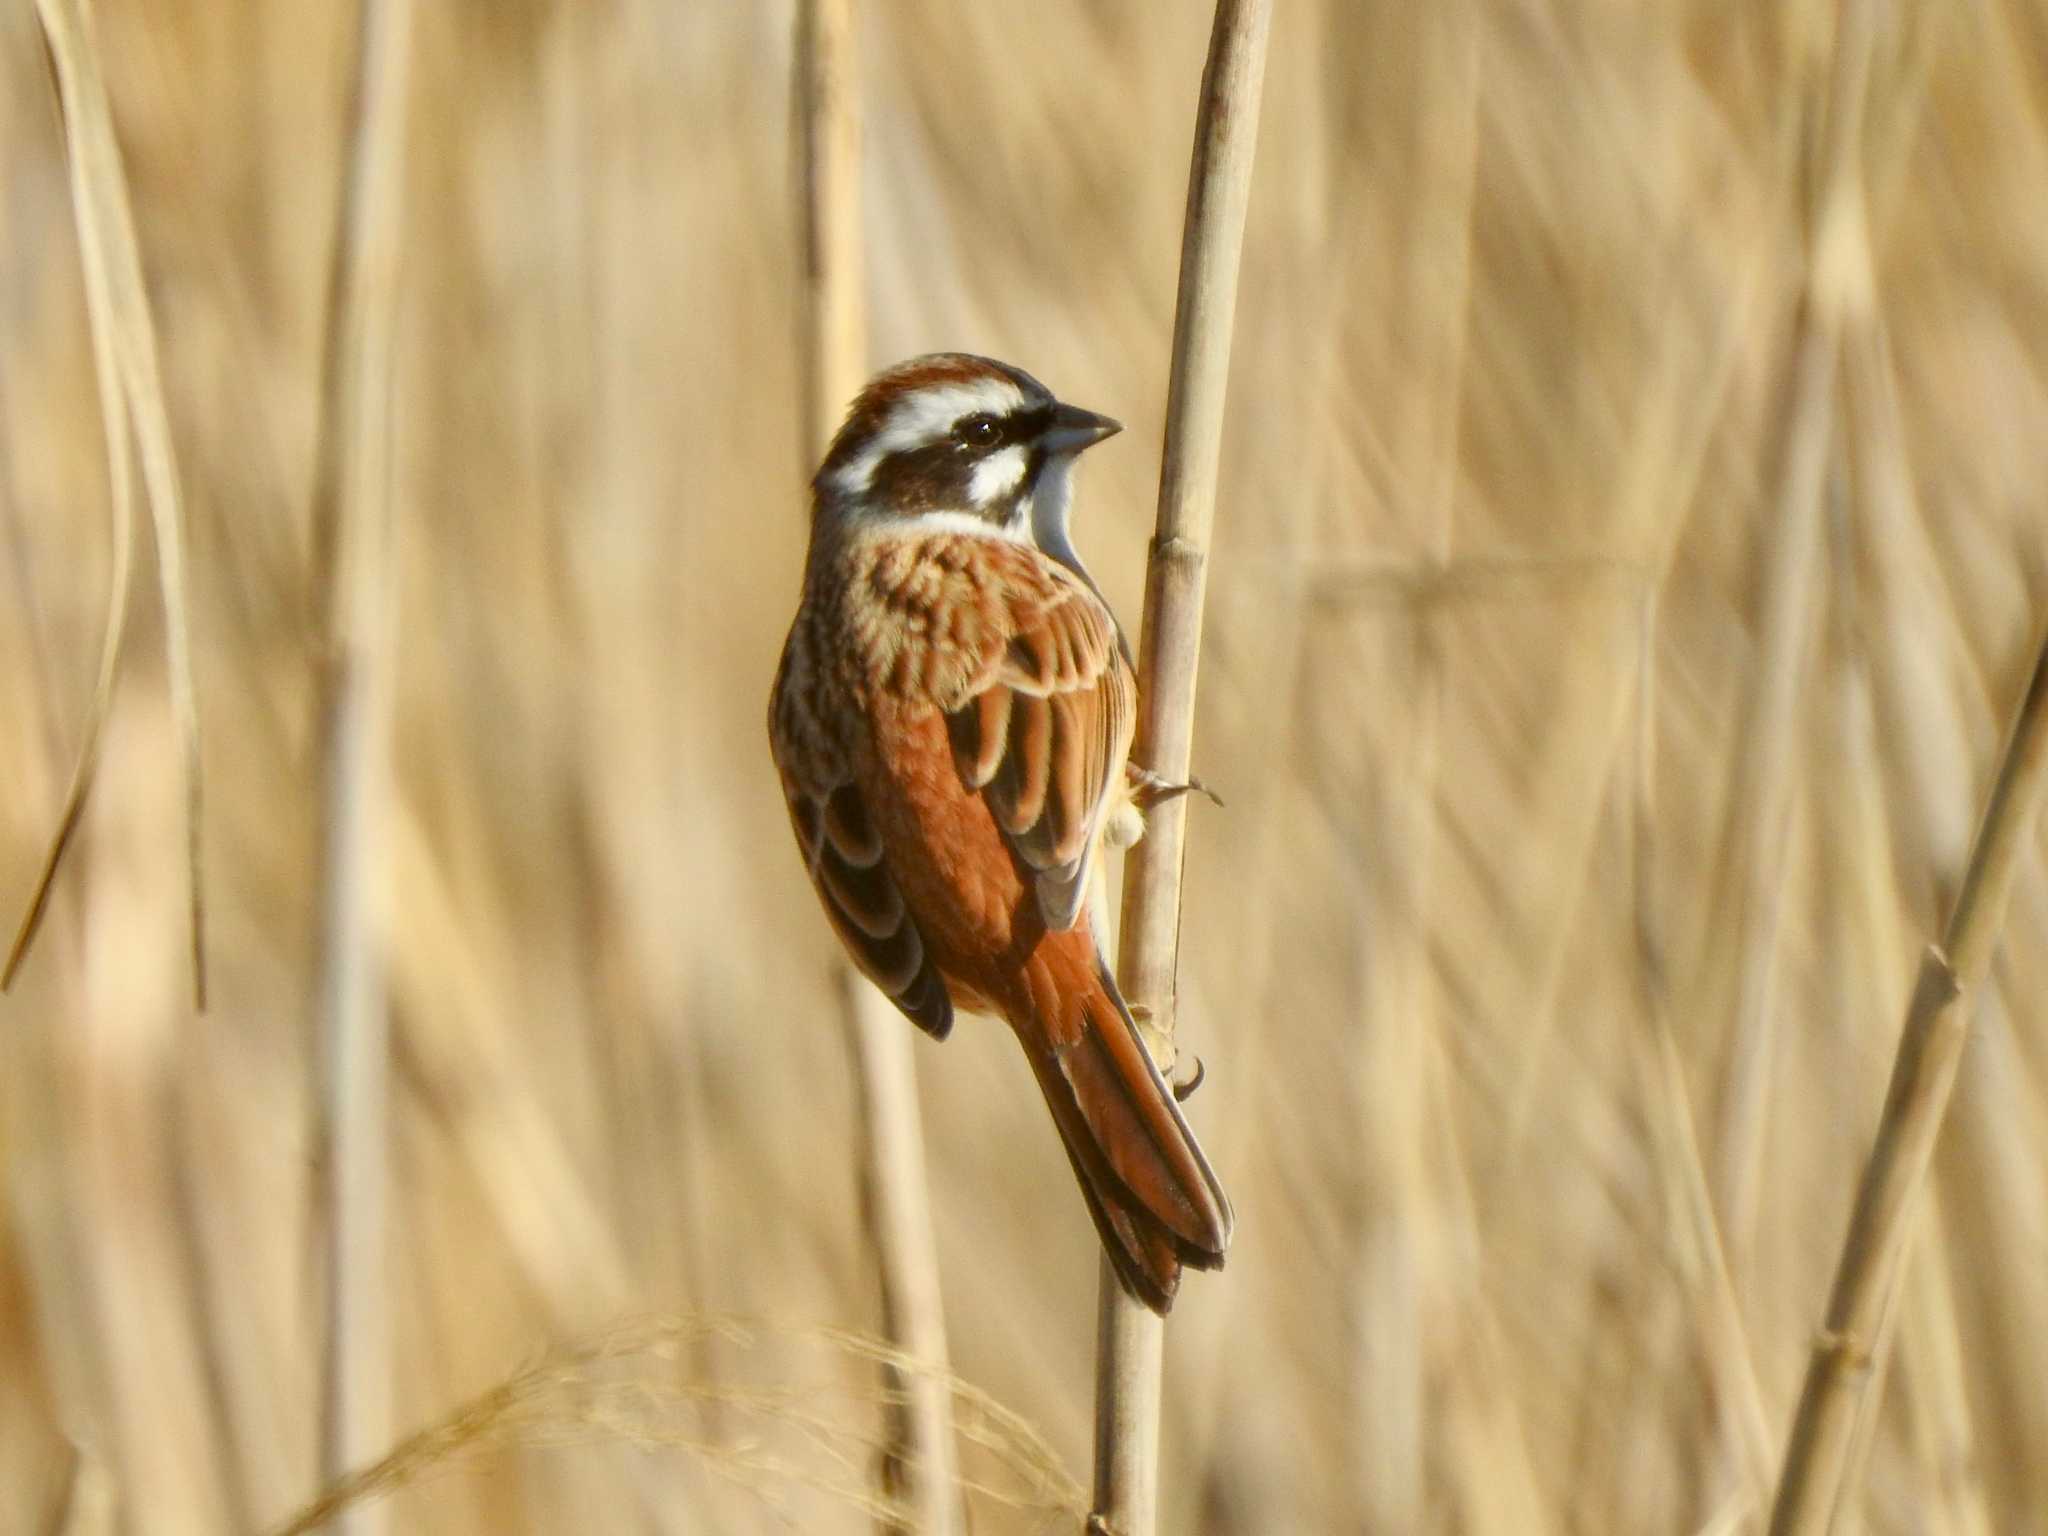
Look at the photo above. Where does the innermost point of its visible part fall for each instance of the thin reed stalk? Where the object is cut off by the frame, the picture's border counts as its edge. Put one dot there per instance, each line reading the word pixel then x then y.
pixel 921 1465
pixel 352 515
pixel 131 400
pixel 921 1459
pixel 1754 869
pixel 1130 1341
pixel 121 504
pixel 1923 1076
pixel 834 342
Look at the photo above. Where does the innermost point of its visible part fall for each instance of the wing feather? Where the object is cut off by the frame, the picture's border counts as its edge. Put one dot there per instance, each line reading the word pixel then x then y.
pixel 843 849
pixel 852 832
pixel 1045 725
pixel 992 726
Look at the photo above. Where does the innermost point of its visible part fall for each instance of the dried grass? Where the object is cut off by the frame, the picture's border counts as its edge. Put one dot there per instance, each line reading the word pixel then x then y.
pixel 629 1386
pixel 1520 287
pixel 131 399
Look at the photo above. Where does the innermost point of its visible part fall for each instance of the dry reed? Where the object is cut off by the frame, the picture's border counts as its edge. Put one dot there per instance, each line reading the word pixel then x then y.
pixel 124 339
pixel 627 1385
pixel 1130 1341
pixel 1752 876
pixel 1508 396
pixel 1853 1339
pixel 921 1461
pixel 353 521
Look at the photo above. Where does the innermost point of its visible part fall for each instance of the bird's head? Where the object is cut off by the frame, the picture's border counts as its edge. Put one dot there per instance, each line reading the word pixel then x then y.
pixel 961 439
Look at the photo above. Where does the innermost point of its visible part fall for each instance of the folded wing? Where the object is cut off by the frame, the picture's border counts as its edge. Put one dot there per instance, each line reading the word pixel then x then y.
pixel 842 848
pixel 1043 726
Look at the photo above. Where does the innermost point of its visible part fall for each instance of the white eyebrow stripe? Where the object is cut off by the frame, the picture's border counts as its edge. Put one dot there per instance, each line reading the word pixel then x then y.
pixel 997 476
pixel 925 417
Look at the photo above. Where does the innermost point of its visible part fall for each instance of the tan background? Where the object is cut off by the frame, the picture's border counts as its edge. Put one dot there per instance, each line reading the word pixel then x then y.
pixel 1487 686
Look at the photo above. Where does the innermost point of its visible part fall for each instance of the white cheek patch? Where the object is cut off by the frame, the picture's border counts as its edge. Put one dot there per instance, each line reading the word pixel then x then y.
pixel 922 418
pixel 997 477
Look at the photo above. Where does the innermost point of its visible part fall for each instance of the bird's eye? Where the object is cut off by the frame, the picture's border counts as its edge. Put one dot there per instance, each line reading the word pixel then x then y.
pixel 978 431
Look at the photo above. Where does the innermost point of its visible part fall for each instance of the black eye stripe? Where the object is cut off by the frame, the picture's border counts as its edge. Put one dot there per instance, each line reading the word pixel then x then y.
pixel 1019 426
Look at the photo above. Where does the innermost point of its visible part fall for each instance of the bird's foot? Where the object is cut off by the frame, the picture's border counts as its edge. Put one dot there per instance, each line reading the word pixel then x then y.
pixel 1182 1081
pixel 1149 789
pixel 1158 1042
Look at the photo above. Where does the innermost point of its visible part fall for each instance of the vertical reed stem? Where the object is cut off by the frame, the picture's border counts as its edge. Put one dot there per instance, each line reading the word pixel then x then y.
pixel 1130 1340
pixel 834 342
pixel 352 516
pixel 922 1462
pixel 1751 882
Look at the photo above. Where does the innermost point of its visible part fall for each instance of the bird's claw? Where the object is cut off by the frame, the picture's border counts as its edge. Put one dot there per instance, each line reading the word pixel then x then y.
pixel 1151 790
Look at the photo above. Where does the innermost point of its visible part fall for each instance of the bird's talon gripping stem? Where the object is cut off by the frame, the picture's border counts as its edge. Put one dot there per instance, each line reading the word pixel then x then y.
pixel 1160 1046
pixel 1151 790
pixel 1158 1043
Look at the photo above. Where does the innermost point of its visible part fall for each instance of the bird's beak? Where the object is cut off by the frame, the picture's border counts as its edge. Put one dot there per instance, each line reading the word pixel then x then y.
pixel 1073 429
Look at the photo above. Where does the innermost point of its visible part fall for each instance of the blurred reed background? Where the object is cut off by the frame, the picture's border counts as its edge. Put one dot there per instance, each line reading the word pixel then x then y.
pixel 1630 544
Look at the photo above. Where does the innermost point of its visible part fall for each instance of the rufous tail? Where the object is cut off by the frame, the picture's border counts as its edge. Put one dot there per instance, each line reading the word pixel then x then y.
pixel 1154 1197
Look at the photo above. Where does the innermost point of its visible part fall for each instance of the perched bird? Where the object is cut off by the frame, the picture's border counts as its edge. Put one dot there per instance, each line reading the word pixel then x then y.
pixel 952 721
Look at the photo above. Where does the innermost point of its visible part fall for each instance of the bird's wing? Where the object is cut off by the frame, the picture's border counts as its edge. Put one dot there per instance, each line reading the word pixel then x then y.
pixel 1041 724
pixel 842 848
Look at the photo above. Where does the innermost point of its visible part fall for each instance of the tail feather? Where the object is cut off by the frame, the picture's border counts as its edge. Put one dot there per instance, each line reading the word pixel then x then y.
pixel 1156 1202
pixel 1144 1254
